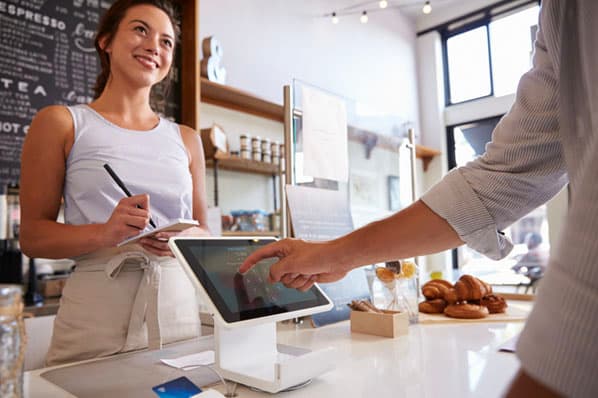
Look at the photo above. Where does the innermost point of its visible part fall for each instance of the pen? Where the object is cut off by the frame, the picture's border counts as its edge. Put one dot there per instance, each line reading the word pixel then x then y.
pixel 122 186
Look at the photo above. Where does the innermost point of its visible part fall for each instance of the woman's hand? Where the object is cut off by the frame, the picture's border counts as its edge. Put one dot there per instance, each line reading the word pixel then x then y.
pixel 301 264
pixel 158 244
pixel 127 219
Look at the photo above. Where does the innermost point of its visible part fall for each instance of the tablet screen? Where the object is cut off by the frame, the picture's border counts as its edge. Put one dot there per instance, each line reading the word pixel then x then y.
pixel 238 297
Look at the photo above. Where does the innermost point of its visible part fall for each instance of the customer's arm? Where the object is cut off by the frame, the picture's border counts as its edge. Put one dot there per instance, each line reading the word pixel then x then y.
pixel 413 231
pixel 523 166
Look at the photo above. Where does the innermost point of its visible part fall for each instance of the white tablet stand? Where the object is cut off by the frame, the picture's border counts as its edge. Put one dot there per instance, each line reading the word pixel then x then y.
pixel 250 356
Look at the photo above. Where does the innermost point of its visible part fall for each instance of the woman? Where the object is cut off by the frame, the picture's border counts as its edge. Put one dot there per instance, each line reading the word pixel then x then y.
pixel 119 298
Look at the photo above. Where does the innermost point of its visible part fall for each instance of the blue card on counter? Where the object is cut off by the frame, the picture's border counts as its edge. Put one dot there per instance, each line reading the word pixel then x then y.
pixel 177 388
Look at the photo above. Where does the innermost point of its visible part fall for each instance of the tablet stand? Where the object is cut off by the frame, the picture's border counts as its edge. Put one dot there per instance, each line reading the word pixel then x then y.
pixel 250 356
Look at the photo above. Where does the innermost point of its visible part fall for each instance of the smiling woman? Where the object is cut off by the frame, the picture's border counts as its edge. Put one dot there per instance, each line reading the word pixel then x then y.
pixel 103 310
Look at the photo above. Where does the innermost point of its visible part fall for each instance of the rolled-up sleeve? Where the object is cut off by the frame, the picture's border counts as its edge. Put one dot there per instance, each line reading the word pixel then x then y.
pixel 523 166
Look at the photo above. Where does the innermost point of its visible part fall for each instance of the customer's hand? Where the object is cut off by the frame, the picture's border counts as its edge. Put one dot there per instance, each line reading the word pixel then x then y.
pixel 300 264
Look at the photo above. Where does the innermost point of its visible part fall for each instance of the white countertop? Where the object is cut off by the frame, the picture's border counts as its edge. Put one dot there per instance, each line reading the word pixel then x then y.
pixel 450 360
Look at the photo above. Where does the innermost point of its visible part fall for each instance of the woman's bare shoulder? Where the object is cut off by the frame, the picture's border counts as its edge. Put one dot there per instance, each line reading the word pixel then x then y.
pixel 54 118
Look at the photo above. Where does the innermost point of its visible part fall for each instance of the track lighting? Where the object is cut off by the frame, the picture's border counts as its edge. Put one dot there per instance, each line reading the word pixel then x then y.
pixel 427 8
pixel 364 17
pixel 334 18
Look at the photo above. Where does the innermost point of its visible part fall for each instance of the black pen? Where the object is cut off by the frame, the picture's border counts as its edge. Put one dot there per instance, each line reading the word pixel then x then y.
pixel 122 186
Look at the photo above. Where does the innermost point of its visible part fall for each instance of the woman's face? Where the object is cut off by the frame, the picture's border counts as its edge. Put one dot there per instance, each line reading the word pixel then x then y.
pixel 142 49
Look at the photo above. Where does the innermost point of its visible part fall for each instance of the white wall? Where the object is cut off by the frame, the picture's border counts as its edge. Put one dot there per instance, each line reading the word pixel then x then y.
pixel 268 43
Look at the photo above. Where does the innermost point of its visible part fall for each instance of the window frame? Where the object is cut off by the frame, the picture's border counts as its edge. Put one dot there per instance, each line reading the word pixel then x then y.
pixel 474 20
pixel 452 162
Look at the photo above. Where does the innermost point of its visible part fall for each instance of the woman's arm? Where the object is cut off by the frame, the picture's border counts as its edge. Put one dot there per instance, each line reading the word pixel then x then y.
pixel 43 166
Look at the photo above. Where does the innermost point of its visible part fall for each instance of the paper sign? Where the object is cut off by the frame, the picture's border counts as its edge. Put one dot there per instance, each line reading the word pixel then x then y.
pixel 319 214
pixel 324 136
pixel 322 214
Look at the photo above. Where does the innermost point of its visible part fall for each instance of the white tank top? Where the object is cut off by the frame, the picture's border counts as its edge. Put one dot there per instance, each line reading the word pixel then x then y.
pixel 154 162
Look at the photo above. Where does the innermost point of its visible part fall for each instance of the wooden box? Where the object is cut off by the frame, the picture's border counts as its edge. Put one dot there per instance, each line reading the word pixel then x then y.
pixel 215 144
pixel 389 324
pixel 52 286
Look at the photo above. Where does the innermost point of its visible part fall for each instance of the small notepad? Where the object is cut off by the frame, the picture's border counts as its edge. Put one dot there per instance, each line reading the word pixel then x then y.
pixel 177 225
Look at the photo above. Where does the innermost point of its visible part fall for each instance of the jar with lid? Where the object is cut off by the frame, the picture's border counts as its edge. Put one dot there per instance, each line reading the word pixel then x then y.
pixel 275 152
pixel 244 140
pixel 12 341
pixel 256 144
pixel 256 149
pixel 265 145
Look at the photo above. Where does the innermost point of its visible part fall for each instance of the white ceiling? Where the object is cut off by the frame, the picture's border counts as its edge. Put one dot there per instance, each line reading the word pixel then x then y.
pixel 442 10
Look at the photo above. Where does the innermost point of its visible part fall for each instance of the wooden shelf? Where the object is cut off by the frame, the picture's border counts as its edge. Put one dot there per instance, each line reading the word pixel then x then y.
pixel 426 154
pixel 245 165
pixel 250 233
pixel 237 100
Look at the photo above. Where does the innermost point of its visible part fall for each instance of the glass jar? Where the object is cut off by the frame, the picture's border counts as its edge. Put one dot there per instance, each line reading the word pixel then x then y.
pixel 250 220
pixel 256 144
pixel 398 293
pixel 265 145
pixel 12 341
pixel 244 141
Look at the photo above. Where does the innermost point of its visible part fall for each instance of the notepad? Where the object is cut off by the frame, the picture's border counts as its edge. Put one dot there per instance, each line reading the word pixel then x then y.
pixel 177 225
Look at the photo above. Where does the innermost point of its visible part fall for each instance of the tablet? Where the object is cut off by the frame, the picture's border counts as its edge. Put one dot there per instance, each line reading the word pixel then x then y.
pixel 212 265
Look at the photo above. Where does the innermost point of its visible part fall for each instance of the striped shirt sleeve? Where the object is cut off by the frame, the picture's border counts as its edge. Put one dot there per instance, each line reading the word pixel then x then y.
pixel 523 166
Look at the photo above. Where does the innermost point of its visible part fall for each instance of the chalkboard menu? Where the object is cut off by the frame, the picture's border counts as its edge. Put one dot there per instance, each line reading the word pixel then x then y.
pixel 47 56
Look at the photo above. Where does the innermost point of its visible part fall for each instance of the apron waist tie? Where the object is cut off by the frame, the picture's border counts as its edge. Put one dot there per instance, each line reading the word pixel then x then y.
pixel 145 307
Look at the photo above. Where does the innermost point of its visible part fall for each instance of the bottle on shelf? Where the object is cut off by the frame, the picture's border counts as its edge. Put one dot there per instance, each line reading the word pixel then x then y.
pixel 11 257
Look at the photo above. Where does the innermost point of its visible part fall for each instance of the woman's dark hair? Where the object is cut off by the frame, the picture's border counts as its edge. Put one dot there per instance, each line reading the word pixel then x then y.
pixel 109 25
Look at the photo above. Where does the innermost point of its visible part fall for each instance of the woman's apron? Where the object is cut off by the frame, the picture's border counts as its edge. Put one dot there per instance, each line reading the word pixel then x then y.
pixel 122 299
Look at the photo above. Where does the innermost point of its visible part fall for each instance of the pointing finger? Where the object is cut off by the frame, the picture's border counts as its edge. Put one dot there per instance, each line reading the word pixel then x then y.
pixel 271 250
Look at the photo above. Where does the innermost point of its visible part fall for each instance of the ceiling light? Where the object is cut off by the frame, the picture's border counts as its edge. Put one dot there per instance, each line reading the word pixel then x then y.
pixel 334 18
pixel 383 4
pixel 364 17
pixel 427 8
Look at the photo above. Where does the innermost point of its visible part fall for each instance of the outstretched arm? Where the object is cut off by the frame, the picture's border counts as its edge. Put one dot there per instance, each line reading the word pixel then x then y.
pixel 414 231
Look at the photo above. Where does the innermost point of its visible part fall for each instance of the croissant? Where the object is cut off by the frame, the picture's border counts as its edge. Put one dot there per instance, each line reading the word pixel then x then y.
pixel 439 289
pixel 471 288
pixel 436 288
pixel 435 306
pixel 466 311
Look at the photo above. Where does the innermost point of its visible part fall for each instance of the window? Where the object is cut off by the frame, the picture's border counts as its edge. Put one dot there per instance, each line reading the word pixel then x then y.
pixel 468 65
pixel 529 235
pixel 487 52
pixel 511 46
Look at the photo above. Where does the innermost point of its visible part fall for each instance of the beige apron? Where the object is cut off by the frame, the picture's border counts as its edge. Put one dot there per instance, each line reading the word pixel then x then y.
pixel 122 299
